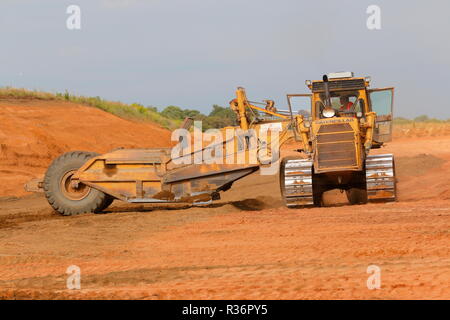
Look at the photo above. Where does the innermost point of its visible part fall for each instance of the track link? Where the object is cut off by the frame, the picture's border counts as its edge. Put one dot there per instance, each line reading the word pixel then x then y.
pixel 380 178
pixel 296 182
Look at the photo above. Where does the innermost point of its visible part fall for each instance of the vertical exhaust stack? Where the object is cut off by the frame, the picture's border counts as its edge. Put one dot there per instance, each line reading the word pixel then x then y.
pixel 327 91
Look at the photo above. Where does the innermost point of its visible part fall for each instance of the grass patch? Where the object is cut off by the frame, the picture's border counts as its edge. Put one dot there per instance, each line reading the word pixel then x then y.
pixel 419 120
pixel 133 111
pixel 13 93
pixel 426 128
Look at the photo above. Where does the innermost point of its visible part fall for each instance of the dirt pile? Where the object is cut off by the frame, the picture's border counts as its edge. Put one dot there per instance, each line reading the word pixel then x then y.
pixel 417 165
pixel 34 132
pixel 423 177
pixel 423 167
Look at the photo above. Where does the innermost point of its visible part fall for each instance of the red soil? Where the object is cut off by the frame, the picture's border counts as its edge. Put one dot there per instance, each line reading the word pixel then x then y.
pixel 246 246
pixel 34 132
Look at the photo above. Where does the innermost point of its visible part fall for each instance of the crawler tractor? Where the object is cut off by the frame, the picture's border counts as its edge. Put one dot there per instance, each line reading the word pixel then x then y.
pixel 346 120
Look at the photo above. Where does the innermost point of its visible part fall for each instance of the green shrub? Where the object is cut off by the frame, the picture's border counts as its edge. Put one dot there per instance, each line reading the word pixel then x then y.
pixel 170 117
pixel 134 111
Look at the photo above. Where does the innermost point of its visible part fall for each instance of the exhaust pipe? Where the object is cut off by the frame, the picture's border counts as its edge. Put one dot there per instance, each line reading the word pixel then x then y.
pixel 327 91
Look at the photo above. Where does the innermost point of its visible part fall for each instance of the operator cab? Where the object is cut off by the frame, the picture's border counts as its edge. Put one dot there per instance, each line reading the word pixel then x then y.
pixel 344 104
pixel 349 97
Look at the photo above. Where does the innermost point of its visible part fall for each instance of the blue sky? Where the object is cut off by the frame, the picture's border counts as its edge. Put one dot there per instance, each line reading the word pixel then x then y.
pixel 194 53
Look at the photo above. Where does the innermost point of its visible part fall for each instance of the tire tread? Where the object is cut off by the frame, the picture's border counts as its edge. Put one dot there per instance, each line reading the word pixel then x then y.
pixel 98 203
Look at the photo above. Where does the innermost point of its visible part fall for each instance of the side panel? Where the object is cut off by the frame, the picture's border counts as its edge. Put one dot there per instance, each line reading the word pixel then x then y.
pixel 127 173
pixel 382 102
pixel 142 175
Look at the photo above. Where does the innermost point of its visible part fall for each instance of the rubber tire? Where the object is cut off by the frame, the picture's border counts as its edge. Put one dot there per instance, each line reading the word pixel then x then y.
pixel 108 201
pixel 95 200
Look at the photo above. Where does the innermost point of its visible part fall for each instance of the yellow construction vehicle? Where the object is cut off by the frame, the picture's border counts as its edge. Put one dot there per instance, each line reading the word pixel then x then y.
pixel 347 120
pixel 334 141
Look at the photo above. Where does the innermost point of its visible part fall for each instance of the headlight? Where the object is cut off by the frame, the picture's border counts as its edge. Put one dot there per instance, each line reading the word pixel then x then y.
pixel 328 112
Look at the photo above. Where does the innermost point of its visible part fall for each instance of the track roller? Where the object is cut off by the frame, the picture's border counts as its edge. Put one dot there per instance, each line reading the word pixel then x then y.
pixel 296 182
pixel 380 178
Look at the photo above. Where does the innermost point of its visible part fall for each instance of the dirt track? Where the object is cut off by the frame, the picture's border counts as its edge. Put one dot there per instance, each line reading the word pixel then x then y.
pixel 246 246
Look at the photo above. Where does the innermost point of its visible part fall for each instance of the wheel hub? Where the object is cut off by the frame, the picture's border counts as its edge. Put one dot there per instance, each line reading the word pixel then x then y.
pixel 71 190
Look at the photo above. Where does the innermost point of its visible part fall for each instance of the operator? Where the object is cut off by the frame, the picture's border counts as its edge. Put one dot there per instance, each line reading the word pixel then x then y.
pixel 346 105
